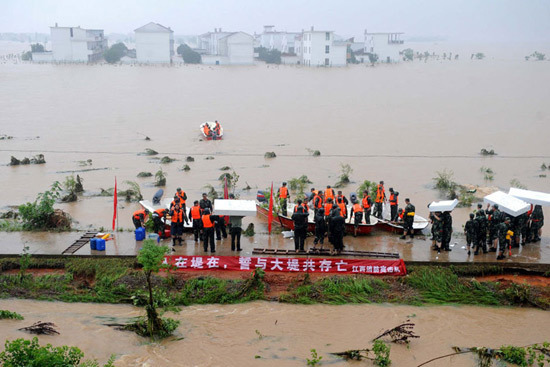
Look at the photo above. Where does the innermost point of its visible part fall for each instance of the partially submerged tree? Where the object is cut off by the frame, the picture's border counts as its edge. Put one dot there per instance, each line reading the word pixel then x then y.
pixel 151 258
pixel 188 55
pixel 114 53
pixel 41 215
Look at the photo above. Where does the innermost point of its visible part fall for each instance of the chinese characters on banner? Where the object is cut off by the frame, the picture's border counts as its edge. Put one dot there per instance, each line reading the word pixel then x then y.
pixel 318 265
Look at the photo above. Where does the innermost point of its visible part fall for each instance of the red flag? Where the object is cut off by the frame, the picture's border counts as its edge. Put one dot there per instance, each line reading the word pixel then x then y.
pixel 270 214
pixel 114 205
pixel 225 189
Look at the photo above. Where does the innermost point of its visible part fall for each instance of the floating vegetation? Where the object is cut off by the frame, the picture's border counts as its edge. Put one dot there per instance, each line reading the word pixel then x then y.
pixel 160 178
pixel 537 56
pixel 479 55
pixel 299 184
pixel 149 151
pixel 133 193
pixel 166 160
pixel 343 179
pixel 211 192
pixel 37 159
pixel 314 153
pixel 4 314
pixel 315 358
pixel 249 232
pixel 247 187
pixel 41 328
pixel 487 152
pixel 186 168
pixel 515 183
pixel 400 334
pixel 379 354
pixel 209 158
pixel 85 163
pixel 189 159
pixel 5 137
pixel 144 174
pixel 225 168
pixel 543 167
pixel 270 155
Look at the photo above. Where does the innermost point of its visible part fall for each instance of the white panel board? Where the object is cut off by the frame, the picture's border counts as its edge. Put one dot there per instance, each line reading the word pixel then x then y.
pixel 443 206
pixel 531 197
pixel 507 203
pixel 240 208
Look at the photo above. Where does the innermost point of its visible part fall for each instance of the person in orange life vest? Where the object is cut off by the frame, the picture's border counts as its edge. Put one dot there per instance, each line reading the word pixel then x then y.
pixel 208 221
pixel 283 196
pixel 357 213
pixel 394 201
pixel 174 202
pixel 176 227
pixel 380 199
pixel 311 195
pixel 207 130
pixel 329 194
pixel 318 201
pixel 140 217
pixel 301 204
pixel 366 203
pixel 217 130
pixel 183 197
pixel 400 215
pixel 328 212
pixel 159 218
pixel 343 208
pixel 195 213
pixel 343 197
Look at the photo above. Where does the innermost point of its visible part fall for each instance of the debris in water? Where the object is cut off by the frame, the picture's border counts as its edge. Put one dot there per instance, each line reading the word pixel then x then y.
pixel 225 168
pixel 186 168
pixel 189 159
pixel 166 159
pixel 149 151
pixel 270 155
pixel 41 328
pixel 400 333
pixel 37 159
pixel 209 158
pixel 487 152
pixel 145 174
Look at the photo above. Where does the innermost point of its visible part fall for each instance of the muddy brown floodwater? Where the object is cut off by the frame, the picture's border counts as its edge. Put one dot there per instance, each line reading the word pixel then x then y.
pixel 281 334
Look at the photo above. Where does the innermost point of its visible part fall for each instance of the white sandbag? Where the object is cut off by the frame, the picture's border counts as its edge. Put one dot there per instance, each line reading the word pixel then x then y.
pixel 507 203
pixel 288 234
pixel 531 197
pixel 239 208
pixel 443 206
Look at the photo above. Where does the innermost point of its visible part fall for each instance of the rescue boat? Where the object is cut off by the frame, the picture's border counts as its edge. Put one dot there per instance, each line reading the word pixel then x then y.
pixel 212 135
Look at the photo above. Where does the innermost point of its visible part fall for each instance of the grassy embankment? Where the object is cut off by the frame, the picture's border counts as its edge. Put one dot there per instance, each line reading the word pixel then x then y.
pixel 121 281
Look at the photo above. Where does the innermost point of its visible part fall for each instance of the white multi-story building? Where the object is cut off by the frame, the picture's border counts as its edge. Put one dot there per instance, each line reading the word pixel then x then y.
pixel 75 44
pixel 277 40
pixel 319 48
pixel 386 45
pixel 154 43
pixel 226 48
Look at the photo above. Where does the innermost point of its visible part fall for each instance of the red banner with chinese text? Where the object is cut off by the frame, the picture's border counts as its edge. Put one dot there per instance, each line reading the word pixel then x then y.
pixel 297 265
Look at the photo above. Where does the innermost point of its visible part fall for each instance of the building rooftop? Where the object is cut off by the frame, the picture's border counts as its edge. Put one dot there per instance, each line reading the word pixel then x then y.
pixel 380 33
pixel 153 28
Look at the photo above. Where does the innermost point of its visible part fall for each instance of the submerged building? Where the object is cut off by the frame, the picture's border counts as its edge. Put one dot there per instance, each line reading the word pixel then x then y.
pixel 226 48
pixel 154 43
pixel 387 46
pixel 320 48
pixel 74 44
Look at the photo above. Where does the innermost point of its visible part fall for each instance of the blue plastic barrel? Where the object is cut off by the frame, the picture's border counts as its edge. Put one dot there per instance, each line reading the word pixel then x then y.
pixel 100 244
pixel 140 234
pixel 93 243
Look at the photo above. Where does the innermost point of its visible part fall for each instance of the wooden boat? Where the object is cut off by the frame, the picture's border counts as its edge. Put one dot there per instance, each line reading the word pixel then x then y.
pixel 286 221
pixel 419 225
pixel 211 126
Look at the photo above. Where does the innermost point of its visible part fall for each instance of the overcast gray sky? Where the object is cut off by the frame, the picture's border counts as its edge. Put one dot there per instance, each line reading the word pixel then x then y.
pixel 470 20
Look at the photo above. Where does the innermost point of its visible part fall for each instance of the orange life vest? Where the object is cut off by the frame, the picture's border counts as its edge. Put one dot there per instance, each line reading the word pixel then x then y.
pixel 161 212
pixel 329 194
pixel 393 199
pixel 328 207
pixel 196 212
pixel 181 194
pixel 206 222
pixel 366 204
pixel 357 208
pixel 317 201
pixel 303 205
pixel 380 194
pixel 343 210
pixel 217 128
pixel 402 214
pixel 139 214
pixel 283 192
pixel 206 130
pixel 177 216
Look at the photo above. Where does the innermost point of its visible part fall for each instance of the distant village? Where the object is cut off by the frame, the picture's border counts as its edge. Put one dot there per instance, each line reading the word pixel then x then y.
pixel 154 44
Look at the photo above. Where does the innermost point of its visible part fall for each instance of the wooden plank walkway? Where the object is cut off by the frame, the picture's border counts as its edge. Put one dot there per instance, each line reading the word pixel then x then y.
pixel 78 244
pixel 323 252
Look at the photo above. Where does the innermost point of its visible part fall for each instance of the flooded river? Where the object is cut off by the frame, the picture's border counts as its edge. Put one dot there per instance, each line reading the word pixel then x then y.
pixel 282 335
pixel 398 123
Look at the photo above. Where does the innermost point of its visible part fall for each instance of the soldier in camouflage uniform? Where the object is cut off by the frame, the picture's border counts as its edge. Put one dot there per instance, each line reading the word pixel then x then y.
pixel 521 229
pixel 481 237
pixel 471 229
pixel 494 218
pixel 502 231
pixel 437 230
pixel 447 221
pixel 537 221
